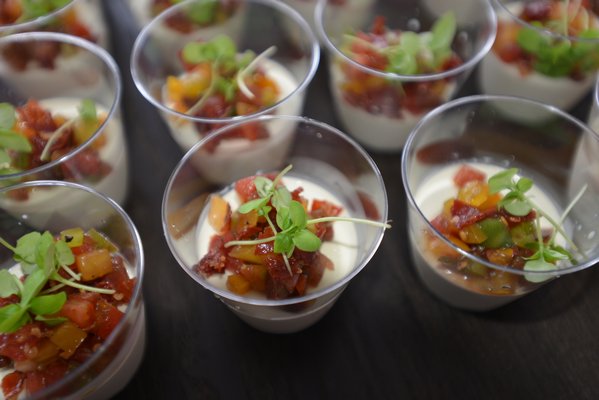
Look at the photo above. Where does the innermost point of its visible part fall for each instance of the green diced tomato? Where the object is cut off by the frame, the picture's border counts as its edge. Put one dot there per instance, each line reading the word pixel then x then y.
pixel 523 233
pixel 73 237
pixel 498 234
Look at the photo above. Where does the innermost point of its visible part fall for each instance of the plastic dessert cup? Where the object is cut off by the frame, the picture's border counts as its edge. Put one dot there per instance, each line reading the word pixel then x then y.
pixel 113 364
pixel 542 62
pixel 475 131
pixel 328 166
pixel 379 98
pixel 77 17
pixel 354 12
pixel 83 72
pixel 254 29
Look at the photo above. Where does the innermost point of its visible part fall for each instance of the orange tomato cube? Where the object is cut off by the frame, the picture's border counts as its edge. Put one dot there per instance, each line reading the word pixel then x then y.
pixel 238 284
pixel 94 264
pixel 219 214
pixel 68 337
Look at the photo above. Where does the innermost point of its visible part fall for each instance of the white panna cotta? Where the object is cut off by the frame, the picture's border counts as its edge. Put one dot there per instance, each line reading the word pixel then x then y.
pixel 454 288
pixel 500 78
pixel 375 131
pixel 237 154
pixel 113 152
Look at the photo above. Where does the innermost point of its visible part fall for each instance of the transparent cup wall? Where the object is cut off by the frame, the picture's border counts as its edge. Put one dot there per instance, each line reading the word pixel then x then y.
pixel 255 25
pixel 60 71
pixel 318 153
pixel 381 123
pixel 482 129
pixel 111 367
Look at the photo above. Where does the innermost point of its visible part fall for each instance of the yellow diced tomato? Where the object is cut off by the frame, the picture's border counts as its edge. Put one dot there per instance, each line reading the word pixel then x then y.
pixel 73 237
pixel 474 193
pixel 247 254
pixel 255 275
pixel 68 337
pixel 219 213
pixel 94 264
pixel 238 284
pixel 174 88
pixel 46 351
pixel 502 256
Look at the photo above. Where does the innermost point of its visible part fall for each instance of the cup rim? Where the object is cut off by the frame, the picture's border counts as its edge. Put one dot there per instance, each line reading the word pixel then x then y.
pixel 281 302
pixel 466 66
pixel 280 6
pixel 456 103
pixel 98 52
pixel 504 6
pixel 34 24
pixel 136 297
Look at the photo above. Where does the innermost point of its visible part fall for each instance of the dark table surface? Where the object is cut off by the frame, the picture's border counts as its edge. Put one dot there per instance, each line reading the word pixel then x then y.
pixel 386 337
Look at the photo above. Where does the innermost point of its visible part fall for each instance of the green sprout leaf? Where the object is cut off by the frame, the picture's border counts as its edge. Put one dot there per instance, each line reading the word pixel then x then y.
pixel 203 12
pixel 306 240
pixel 443 31
pixel 251 205
pixel 87 111
pixel 48 304
pixel 501 180
pixel 9 284
pixel 12 317
pixel 7 116
pixel 518 208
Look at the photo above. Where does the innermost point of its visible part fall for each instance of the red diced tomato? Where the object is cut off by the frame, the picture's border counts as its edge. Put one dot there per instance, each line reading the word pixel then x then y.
pixel 80 308
pixel 107 318
pixel 245 188
pixel 466 174
pixel 51 373
pixel 12 384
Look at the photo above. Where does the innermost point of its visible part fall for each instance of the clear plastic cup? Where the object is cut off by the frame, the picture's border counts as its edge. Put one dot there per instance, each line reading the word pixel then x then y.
pixel 327 164
pixel 66 148
pixel 288 61
pixel 476 131
pixel 553 66
pixel 379 101
pixel 113 364
pixel 80 18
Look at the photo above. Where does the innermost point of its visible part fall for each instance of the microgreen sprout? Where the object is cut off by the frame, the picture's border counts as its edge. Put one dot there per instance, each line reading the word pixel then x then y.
pixel 32 9
pixel 413 53
pixel 10 140
pixel 41 258
pixel 292 229
pixel 518 203
pixel 86 112
pixel 557 57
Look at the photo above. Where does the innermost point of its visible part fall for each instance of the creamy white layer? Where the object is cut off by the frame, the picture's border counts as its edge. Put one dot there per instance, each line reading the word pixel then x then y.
pixel 444 283
pixel 375 131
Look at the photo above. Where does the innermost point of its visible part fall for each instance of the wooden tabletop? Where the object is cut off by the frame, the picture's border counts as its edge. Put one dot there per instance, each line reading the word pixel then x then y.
pixel 387 337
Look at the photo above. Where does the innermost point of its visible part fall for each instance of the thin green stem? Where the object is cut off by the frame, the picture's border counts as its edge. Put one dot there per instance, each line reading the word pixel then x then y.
pixel 568 209
pixel 7 245
pixel 211 89
pixel 57 133
pixel 249 242
pixel 72 273
pixel 348 219
pixel 76 285
pixel 554 223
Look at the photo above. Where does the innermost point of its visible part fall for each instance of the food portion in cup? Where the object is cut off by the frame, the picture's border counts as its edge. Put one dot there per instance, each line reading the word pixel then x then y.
pixel 219 82
pixel 59 303
pixel 380 110
pixel 547 50
pixel 44 132
pixel 241 252
pixel 82 19
pixel 202 14
pixel 512 230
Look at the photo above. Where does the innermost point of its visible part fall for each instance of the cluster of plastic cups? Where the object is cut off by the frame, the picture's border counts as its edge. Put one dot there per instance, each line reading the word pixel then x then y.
pixel 554 148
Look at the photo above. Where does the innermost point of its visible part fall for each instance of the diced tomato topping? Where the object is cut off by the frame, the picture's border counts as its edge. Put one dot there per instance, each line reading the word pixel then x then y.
pixel 466 174
pixel 107 317
pixel 39 379
pixel 12 384
pixel 80 308
pixel 464 214
pixel 245 188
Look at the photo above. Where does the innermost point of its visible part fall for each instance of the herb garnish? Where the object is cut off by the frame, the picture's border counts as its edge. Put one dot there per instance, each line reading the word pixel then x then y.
pixel 415 53
pixel 555 56
pixel 517 203
pixel 10 140
pixel 38 8
pixel 292 223
pixel 228 68
pixel 41 257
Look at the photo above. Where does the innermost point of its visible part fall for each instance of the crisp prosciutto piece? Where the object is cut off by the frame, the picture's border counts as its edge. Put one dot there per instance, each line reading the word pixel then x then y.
pixel 464 214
